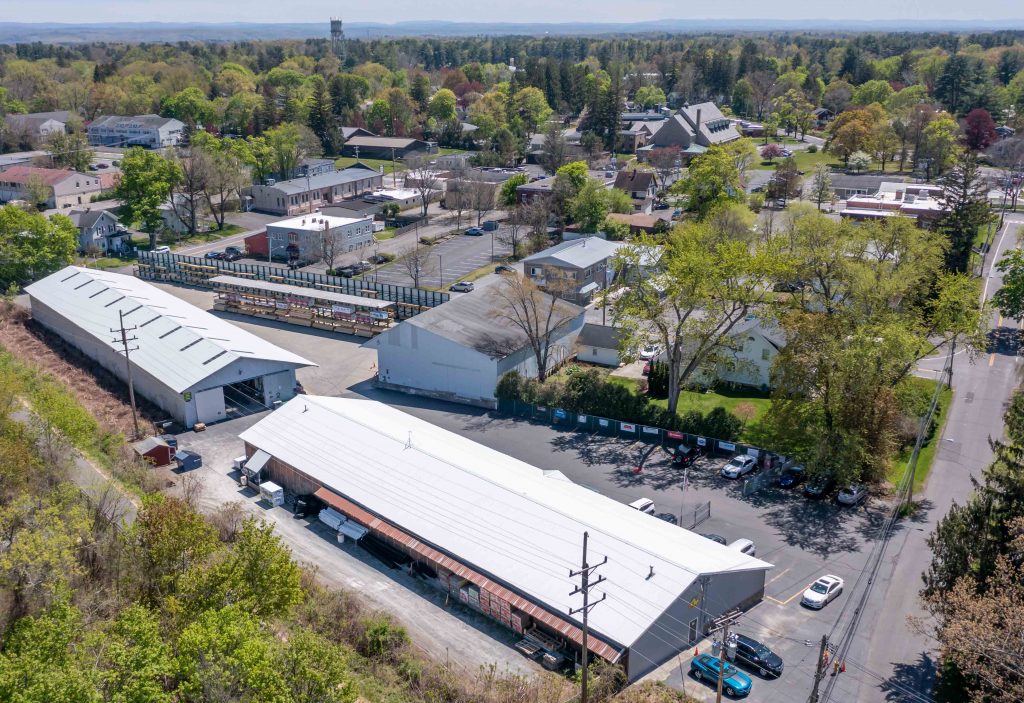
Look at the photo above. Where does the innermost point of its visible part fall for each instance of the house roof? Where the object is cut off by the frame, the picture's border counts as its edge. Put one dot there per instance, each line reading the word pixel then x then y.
pixel 636 219
pixel 577 253
pixel 149 444
pixel 754 325
pixel 178 344
pixel 384 142
pixel 848 181
pixel 87 218
pixel 35 120
pixel 633 180
pixel 356 172
pixel 715 127
pixel 349 132
pixel 513 522
pixel 150 121
pixel 49 176
pixel 479 321
pixel 601 336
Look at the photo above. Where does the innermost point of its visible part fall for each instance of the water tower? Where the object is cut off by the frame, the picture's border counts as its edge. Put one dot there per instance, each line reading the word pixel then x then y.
pixel 337 38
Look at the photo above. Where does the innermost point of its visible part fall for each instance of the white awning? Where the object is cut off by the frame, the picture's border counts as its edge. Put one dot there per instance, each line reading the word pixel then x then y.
pixel 589 288
pixel 256 462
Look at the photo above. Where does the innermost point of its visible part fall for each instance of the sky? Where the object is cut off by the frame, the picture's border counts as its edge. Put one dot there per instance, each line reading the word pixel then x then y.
pixel 491 11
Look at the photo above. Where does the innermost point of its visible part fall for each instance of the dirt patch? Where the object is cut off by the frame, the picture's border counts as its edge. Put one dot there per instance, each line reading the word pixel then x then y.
pixel 102 394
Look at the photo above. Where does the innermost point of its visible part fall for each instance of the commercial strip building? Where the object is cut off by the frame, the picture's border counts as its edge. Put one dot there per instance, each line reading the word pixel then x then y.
pixel 920 201
pixel 304 195
pixel 501 536
pixel 149 131
pixel 459 350
pixel 385 147
pixel 193 365
pixel 306 238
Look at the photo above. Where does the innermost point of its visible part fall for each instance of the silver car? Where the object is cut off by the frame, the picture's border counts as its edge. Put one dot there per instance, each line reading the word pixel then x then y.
pixel 739 465
pixel 852 495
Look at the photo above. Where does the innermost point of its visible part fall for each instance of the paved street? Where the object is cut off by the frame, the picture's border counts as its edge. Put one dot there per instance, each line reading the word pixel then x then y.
pixel 901 663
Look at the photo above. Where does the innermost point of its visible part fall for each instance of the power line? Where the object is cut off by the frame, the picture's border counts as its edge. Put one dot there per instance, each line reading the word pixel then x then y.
pixel 584 588
pixel 126 350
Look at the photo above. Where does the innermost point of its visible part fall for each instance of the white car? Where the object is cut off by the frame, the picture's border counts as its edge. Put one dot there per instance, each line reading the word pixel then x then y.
pixel 739 465
pixel 649 352
pixel 822 592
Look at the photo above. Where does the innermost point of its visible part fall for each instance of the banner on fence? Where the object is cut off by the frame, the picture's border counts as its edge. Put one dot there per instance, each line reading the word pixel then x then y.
pixel 627 426
pixel 602 422
pixel 649 430
pixel 701 442
pixel 672 434
pixel 727 446
pixel 581 419
pixel 560 414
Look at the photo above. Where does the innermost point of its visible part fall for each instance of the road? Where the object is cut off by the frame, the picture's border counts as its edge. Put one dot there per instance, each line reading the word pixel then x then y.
pixel 900 662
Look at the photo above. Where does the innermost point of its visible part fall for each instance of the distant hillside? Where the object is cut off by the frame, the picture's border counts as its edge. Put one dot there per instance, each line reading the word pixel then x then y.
pixel 15 32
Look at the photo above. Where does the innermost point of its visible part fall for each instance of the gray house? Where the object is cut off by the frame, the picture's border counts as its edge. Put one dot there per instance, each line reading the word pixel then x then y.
pixel 693 129
pixel 573 270
pixel 149 131
pixel 99 231
pixel 35 127
pixel 599 344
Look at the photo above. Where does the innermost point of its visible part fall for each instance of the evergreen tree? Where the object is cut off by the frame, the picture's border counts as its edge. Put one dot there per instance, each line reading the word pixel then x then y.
pixel 965 198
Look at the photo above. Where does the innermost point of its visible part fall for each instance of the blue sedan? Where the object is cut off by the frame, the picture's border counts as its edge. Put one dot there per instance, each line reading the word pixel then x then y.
pixel 735 683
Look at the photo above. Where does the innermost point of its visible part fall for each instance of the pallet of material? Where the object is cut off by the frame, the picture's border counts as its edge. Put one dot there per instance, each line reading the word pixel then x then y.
pixel 302 313
pixel 320 325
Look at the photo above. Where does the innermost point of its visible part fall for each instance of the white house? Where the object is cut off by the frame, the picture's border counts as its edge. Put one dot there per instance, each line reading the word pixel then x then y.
pixel 99 230
pixel 459 350
pixel 149 131
pixel 754 346
pixel 599 344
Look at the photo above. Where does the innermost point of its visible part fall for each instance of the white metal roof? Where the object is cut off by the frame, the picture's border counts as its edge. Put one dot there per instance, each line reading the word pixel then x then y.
pixel 317 222
pixel 178 343
pixel 512 520
pixel 301 292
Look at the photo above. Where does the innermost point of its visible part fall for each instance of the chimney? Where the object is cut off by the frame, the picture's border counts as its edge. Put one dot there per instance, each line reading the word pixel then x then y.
pixel 697 128
pixel 899 195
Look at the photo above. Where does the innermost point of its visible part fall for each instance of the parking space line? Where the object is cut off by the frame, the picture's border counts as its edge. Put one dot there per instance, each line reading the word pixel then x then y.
pixel 788 600
pixel 776 577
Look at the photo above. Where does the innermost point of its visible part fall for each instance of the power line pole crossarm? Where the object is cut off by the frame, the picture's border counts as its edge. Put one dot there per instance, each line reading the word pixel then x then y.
pixel 127 350
pixel 585 585
pixel 819 670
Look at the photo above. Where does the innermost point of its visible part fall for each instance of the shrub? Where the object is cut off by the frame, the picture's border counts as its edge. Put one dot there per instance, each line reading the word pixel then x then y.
pixel 812 149
pixel 382 637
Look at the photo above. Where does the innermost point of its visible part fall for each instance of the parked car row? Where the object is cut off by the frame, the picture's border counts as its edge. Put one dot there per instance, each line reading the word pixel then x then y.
pixel 748 653
pixel 229 254
pixel 821 486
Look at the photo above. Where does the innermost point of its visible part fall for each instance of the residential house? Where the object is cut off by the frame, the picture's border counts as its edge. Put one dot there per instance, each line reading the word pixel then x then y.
pixel 573 270
pixel 99 231
pixel 149 131
pixel 599 344
pixel 753 346
pixel 303 195
pixel 35 127
pixel 385 147
pixel 349 132
pixel 458 351
pixel 822 116
pixel 641 186
pixel 65 188
pixel 845 186
pixel 640 223
pixel 454 162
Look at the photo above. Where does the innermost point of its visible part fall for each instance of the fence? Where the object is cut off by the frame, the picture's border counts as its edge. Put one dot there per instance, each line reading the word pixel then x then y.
pixel 197 271
pixel 690 520
pixel 594 424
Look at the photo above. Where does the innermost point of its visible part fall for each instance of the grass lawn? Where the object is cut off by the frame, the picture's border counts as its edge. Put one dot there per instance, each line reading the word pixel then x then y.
pixel 388 233
pixel 206 237
pixel 389 166
pixel 924 459
pixel 103 262
pixel 448 151
pixel 727 398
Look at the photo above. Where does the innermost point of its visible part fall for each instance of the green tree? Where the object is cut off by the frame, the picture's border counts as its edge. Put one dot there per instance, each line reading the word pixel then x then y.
pixel 649 96
pixel 939 147
pixel 965 200
pixel 1010 296
pixel 507 196
pixel 712 180
pixel 172 538
pixel 711 282
pixel 821 185
pixel 532 107
pixel 876 91
pixel 190 106
pixel 32 246
pixel 70 150
pixel 321 117
pixel 590 206
pixel 442 105
pixel 314 669
pixel 347 93
pixel 147 180
pixel 290 144
pixel 134 658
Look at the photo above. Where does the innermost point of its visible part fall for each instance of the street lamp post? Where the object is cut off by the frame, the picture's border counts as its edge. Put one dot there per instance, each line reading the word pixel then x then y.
pixel 440 271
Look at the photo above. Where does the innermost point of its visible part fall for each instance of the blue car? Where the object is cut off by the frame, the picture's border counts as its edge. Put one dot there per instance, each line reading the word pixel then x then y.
pixel 475 232
pixel 735 683
pixel 791 476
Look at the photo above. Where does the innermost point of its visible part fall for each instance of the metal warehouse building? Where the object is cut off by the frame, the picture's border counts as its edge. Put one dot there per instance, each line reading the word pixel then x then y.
pixel 501 535
pixel 195 366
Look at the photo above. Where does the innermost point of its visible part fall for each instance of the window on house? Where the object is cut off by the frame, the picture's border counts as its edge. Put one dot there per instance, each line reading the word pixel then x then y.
pixel 764 355
pixel 534 271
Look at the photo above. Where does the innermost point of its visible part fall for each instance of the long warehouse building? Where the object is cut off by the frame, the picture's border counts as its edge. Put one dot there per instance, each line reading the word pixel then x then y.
pixel 194 365
pixel 501 535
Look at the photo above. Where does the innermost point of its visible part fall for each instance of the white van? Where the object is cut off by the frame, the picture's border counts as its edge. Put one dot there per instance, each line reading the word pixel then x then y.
pixel 644 505
pixel 744 546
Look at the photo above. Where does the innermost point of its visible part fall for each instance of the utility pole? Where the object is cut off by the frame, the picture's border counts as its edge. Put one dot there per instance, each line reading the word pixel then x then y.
pixel 125 339
pixel 721 661
pixel 819 670
pixel 394 169
pixel 585 585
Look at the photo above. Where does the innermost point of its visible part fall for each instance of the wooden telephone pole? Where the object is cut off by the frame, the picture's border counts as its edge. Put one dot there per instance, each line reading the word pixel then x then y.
pixel 127 350
pixel 819 670
pixel 585 585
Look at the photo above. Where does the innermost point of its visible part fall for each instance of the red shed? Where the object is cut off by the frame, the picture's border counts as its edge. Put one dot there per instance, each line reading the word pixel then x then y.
pixel 155 451
pixel 256 244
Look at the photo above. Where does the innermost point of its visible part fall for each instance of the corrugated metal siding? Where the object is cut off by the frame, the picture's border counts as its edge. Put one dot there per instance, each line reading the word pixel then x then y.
pixel 565 628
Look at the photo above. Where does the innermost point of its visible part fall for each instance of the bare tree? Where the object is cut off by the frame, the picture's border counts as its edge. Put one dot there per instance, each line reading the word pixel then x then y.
pixel 455 197
pixel 539 315
pixel 416 262
pixel 187 194
pixel 330 247
pixel 821 186
pixel 37 192
pixel 226 176
pixel 537 216
pixel 555 149
pixel 516 225
pixel 665 161
pixel 762 87
pixel 425 179
pixel 482 196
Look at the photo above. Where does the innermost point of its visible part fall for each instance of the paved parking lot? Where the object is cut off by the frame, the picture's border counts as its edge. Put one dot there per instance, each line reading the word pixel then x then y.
pixel 802 538
pixel 455 257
